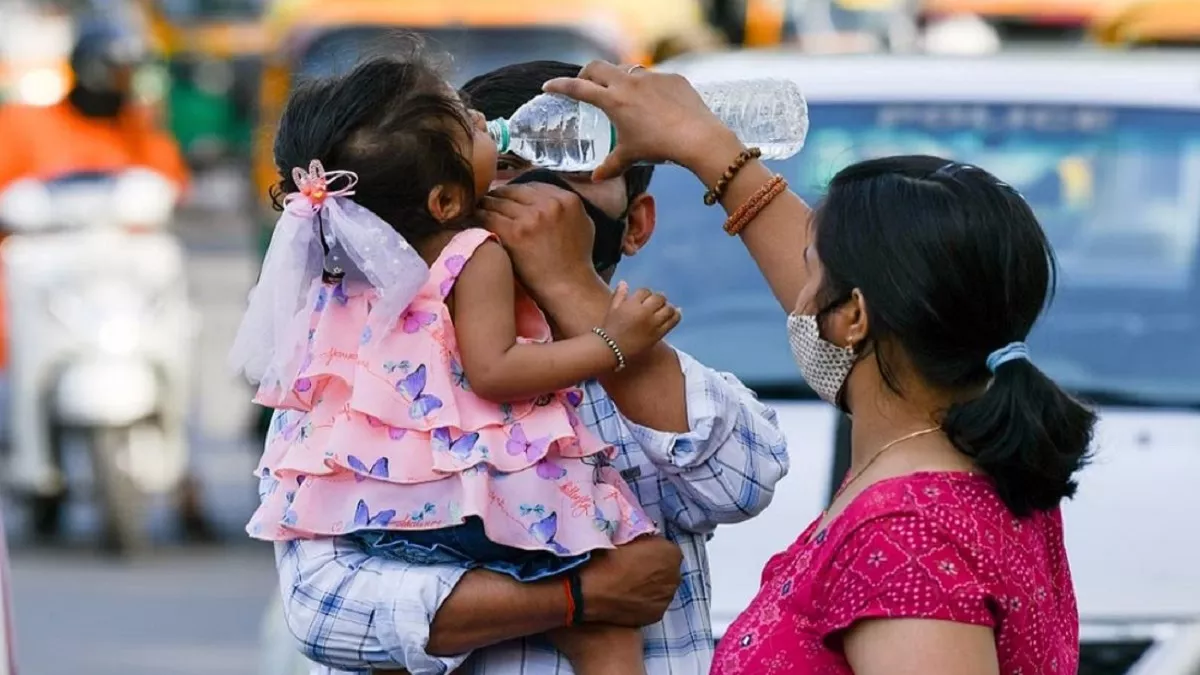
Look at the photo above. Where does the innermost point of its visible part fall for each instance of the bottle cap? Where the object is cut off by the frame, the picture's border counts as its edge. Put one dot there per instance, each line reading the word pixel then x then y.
pixel 498 130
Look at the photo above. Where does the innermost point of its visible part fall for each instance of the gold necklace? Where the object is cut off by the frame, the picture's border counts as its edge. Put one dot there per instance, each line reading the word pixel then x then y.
pixel 885 448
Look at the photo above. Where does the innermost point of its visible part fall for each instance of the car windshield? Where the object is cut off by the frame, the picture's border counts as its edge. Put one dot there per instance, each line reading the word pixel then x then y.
pixel 1115 189
pixel 475 50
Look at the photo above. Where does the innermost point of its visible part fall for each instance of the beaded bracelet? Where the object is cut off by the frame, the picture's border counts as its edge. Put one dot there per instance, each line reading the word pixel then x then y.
pixel 613 346
pixel 714 195
pixel 749 210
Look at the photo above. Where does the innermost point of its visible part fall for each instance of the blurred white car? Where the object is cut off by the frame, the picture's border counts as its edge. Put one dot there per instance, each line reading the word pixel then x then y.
pixel 1106 149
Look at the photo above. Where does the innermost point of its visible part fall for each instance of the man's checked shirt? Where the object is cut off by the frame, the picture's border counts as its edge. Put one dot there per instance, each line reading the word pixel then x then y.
pixel 352 612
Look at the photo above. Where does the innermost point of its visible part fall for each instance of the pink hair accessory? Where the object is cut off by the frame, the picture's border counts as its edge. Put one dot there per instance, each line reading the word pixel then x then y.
pixel 314 184
pixel 270 344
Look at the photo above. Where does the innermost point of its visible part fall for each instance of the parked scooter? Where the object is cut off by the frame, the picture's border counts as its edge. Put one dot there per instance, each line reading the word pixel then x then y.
pixel 100 330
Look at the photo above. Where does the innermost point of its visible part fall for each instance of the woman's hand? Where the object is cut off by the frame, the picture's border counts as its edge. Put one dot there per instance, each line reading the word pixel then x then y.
pixel 658 116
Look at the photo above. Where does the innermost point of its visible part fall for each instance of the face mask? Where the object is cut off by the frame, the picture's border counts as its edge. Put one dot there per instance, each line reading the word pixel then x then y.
pixel 824 365
pixel 610 232
pixel 98 104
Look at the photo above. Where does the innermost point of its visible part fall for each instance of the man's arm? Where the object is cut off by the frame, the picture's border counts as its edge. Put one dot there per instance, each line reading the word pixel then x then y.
pixel 350 611
pixel 650 391
pixel 718 449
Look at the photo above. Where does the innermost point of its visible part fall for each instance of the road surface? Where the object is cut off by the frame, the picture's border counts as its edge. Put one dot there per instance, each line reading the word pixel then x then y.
pixel 183 612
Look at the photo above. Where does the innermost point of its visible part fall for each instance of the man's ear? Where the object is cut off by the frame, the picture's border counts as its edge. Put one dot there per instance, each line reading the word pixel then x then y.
pixel 642 218
pixel 445 203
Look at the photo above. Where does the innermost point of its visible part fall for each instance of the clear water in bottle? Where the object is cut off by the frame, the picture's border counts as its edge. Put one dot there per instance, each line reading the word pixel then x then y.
pixel 559 133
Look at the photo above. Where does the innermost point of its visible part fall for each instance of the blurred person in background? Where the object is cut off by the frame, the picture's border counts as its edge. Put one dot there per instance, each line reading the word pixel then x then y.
pixel 696 446
pixel 99 127
pixel 910 292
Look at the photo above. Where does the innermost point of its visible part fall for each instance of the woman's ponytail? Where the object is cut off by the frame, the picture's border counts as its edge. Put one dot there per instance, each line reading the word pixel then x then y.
pixel 1026 433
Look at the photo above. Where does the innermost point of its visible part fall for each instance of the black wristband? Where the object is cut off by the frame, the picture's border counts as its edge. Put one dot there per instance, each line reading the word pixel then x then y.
pixel 576 584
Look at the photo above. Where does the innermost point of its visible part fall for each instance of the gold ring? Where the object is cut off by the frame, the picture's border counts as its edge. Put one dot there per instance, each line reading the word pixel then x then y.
pixel 635 67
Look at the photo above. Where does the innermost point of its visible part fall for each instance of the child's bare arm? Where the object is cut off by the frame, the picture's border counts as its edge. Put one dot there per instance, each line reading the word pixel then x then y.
pixel 498 369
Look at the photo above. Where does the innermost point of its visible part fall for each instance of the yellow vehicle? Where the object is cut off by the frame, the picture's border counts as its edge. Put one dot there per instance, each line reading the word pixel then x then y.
pixel 1149 23
pixel 319 37
pixel 213 52
pixel 1025 18
pixel 822 26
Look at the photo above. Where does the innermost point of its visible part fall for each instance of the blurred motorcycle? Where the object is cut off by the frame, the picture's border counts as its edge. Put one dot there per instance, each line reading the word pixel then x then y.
pixel 100 329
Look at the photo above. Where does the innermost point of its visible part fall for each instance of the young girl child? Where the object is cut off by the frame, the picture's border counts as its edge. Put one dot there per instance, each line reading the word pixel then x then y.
pixel 434 418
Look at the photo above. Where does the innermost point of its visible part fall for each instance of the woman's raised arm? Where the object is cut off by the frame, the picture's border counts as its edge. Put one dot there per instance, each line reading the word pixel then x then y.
pixel 660 117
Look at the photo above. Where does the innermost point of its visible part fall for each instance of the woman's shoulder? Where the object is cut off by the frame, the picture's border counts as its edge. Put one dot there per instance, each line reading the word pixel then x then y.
pixel 947 509
pixel 947 505
pixel 927 492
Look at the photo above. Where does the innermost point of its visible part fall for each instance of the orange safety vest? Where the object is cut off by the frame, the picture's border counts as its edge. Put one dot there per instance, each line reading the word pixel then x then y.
pixel 46 143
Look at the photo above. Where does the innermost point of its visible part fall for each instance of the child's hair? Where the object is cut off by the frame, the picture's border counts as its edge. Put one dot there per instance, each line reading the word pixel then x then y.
pixel 392 121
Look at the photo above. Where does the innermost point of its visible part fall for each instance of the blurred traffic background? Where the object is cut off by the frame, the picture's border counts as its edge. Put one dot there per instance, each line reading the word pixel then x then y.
pixel 129 449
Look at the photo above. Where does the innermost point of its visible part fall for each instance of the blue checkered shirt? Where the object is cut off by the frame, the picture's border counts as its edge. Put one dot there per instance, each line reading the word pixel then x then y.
pixel 352 612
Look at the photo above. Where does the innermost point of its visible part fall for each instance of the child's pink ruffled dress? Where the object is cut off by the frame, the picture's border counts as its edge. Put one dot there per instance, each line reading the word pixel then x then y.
pixel 389 436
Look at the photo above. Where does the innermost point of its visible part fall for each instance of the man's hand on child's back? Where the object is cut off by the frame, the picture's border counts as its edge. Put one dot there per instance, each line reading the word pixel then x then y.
pixel 546 232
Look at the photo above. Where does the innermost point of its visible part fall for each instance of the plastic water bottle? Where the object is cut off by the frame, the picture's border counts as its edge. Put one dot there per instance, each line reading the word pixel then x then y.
pixel 559 133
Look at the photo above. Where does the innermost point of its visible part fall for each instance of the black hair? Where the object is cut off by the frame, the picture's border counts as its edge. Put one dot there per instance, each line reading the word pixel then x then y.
pixel 953 265
pixel 392 120
pixel 500 92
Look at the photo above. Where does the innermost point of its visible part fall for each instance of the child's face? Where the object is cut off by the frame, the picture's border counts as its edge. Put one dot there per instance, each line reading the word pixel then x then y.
pixel 481 150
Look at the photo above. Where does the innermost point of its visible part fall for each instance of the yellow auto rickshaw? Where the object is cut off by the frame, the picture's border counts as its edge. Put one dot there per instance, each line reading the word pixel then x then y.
pixel 1022 18
pixel 212 50
pixel 1149 23
pixel 813 26
pixel 317 37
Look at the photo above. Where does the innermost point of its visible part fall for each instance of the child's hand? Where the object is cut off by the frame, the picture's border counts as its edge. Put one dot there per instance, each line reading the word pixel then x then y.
pixel 639 320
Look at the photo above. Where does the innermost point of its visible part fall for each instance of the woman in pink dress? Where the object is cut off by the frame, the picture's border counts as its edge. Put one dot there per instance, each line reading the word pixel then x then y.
pixel 942 552
pixel 912 287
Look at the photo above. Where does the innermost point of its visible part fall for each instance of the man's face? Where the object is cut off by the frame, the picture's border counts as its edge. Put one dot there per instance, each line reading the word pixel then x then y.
pixel 608 195
pixel 630 223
